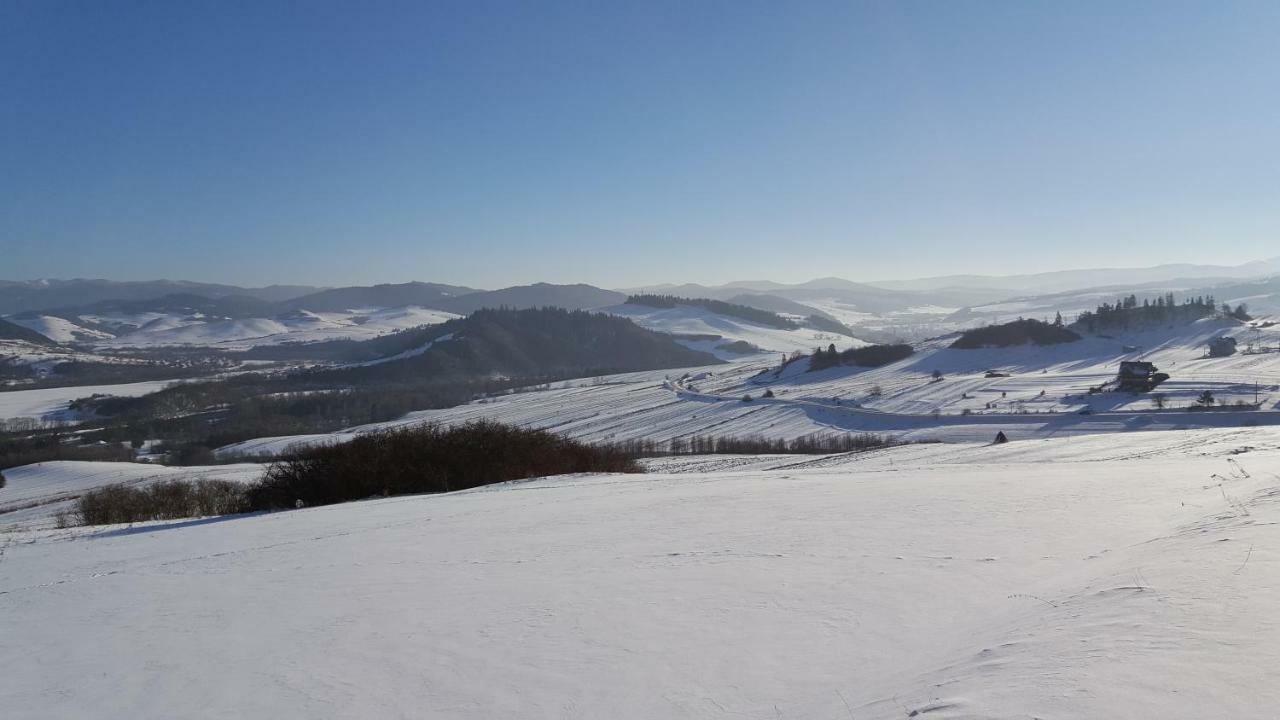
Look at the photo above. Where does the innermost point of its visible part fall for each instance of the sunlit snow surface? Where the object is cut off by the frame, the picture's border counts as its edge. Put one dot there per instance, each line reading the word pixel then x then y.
pixel 35 494
pixel 1046 390
pixel 1112 575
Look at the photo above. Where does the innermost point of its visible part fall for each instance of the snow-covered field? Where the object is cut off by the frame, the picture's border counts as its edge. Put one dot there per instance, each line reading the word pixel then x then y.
pixel 52 404
pixel 1044 394
pixel 1115 575
pixel 34 494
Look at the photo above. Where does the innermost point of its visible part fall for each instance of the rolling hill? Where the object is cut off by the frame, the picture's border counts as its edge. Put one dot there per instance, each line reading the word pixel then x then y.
pixel 37 295
pixel 13 331
pixel 530 342
pixel 421 294
pixel 568 297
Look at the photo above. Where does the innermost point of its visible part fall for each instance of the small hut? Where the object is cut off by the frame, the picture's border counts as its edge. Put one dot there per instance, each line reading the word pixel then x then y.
pixel 1223 346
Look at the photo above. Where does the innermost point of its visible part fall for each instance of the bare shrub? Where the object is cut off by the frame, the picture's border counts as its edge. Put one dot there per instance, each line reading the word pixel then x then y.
pixel 427 459
pixel 814 444
pixel 164 500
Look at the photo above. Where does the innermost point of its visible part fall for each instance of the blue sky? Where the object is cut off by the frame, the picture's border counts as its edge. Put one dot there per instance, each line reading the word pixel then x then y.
pixel 623 144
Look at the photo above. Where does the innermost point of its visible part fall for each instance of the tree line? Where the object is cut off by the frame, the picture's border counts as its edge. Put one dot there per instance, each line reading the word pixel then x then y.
pixel 1126 313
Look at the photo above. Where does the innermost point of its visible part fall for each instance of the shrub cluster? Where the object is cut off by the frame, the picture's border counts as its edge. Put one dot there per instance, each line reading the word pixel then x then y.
pixel 164 500
pixel 427 459
pixel 814 444
pixel 424 459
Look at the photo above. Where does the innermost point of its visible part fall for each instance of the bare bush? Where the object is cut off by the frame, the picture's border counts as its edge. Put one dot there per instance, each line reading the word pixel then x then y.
pixel 814 444
pixel 164 500
pixel 427 459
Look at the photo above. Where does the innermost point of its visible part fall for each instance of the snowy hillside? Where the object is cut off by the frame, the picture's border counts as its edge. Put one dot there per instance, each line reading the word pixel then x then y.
pixel 1034 392
pixel 701 329
pixel 151 329
pixel 1126 575
pixel 52 404
pixel 35 494
pixel 58 329
pixel 42 357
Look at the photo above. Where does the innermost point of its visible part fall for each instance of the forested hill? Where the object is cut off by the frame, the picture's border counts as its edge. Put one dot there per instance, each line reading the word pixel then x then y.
pixel 744 312
pixel 532 342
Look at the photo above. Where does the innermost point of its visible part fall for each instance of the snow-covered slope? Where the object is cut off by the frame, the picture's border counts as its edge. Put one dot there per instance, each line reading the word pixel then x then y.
pixel 1046 389
pixel 59 329
pixel 116 330
pixel 52 404
pixel 689 322
pixel 296 326
pixel 43 358
pixel 1114 576
pixel 34 494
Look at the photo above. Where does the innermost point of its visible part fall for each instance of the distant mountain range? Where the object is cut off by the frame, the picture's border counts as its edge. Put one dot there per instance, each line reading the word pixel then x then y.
pixel 235 321
pixel 1063 280
pixel 164 312
pixel 16 297
pixel 429 295
pixel 62 297
pixel 856 296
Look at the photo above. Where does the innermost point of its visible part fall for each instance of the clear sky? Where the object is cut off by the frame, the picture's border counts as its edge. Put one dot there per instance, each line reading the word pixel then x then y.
pixel 632 143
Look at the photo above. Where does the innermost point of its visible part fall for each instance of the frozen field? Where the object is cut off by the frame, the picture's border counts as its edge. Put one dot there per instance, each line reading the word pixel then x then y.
pixel 1111 575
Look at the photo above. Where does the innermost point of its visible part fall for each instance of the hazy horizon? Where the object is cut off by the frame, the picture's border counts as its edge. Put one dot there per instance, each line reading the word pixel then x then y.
pixel 654 283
